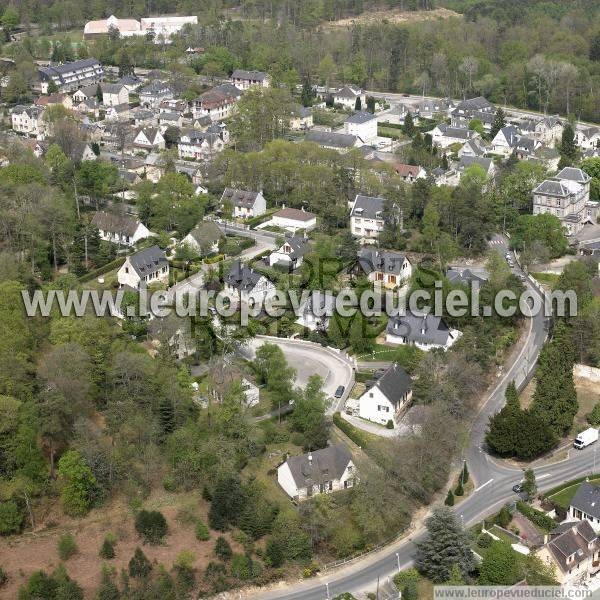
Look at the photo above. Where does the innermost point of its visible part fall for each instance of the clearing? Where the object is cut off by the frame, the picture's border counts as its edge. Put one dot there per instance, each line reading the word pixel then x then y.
pixel 394 16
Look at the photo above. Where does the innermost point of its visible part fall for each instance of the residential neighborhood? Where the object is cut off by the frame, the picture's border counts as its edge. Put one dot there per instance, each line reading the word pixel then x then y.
pixel 300 299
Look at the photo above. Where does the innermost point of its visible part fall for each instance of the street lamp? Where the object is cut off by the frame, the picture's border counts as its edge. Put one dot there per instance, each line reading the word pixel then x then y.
pixel 398 561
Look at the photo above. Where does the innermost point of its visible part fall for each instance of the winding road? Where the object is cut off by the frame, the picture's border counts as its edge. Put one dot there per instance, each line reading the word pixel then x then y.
pixel 493 480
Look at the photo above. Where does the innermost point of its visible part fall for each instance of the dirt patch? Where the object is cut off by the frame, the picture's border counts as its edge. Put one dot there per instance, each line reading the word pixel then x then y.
pixel 394 16
pixel 22 555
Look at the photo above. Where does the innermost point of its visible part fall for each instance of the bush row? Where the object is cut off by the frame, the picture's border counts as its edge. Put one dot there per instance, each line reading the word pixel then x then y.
pixel 352 432
pixel 109 266
pixel 536 516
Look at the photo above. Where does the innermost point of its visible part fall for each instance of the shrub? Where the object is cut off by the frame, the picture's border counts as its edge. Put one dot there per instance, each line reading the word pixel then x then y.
pixel 536 516
pixel 222 548
pixel 66 546
pixel 3 577
pixel 459 491
pixel 274 554
pixel 449 499
pixel 202 532
pixel 169 484
pixel 139 565
pixel 485 540
pixel 593 417
pixel 503 518
pixel 151 525
pixel 11 518
pixel 410 591
pixel 404 577
pixel 107 550
pixel 352 432
pixel 389 424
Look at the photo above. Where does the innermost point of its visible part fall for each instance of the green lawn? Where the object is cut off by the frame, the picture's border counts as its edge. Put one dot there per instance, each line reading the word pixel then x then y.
pixel 563 498
pixel 548 278
pixel 404 355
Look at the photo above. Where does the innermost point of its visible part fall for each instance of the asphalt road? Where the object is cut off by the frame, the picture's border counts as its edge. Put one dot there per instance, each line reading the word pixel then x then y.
pixel 493 480
pixel 312 359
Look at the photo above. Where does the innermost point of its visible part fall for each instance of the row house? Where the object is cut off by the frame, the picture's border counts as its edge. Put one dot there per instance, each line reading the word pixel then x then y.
pixel 217 103
pixel 28 120
pixel 244 80
pixel 199 145
pixel 71 76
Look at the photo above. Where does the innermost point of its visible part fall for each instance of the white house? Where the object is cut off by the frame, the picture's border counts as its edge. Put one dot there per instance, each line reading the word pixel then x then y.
pixel 294 219
pixel 161 29
pixel 547 130
pixel 425 331
pixel 245 204
pixel 388 398
pixel 473 148
pixel 509 140
pixel 443 135
pixel 246 79
pixel 588 137
pixel 119 228
pixel 347 96
pixel 144 267
pixel 320 472
pixel 366 217
pixel 487 164
pixel 301 118
pixel 117 112
pixel 362 124
pixel 28 120
pixel 149 138
pixel 316 312
pixel 290 254
pixel 114 94
pixel 246 285
pixel 154 93
pixel 385 268
pixel 410 173
pixel 585 505
pixel 205 238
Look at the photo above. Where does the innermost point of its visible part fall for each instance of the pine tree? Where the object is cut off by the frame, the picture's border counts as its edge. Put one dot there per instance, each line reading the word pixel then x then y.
pixel 446 545
pixel 499 123
pixel 445 162
pixel 568 146
pixel 307 93
pixel 358 104
pixel 99 94
pixel 503 427
pixel 465 473
pixel 456 577
pixel 529 484
pixel 459 491
pixel 107 549
pixel 409 125
pixel 449 499
pixel 555 397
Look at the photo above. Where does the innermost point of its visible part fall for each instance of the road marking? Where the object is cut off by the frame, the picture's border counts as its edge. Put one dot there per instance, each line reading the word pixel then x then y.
pixel 484 484
pixel 544 476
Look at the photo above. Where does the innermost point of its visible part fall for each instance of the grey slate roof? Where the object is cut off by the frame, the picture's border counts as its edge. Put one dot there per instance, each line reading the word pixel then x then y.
pixel 115 222
pixel 587 499
pixel 382 261
pixel 347 91
pixel 573 174
pixel 59 71
pixel 458 276
pixel 331 139
pixel 249 75
pixel 368 207
pixel 242 198
pixel 460 133
pixel 148 261
pixel 299 246
pixel 417 328
pixel 155 88
pixel 467 161
pixel 361 116
pixel 111 88
pixel 475 104
pixel 319 466
pixel 552 187
pixel 241 277
pixel 394 383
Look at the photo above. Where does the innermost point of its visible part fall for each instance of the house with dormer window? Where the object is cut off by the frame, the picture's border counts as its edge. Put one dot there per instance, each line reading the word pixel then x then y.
pixel 143 268
pixel 366 217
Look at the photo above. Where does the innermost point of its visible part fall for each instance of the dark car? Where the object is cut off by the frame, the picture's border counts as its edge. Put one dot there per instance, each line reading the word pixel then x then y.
pixel 517 488
pixel 340 391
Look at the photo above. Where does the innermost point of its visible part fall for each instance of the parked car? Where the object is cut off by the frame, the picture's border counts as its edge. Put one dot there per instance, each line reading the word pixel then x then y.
pixel 340 391
pixel 517 488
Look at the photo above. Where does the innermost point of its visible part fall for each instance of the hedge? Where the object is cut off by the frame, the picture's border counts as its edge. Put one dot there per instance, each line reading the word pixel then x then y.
pixel 536 516
pixel 213 259
pixel 113 264
pixel 352 432
pixel 564 486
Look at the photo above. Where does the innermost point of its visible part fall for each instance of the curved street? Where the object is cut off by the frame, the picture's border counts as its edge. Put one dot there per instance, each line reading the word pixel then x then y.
pixel 493 480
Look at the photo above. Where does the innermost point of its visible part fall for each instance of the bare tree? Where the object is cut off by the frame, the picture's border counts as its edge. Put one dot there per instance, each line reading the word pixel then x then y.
pixel 469 67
